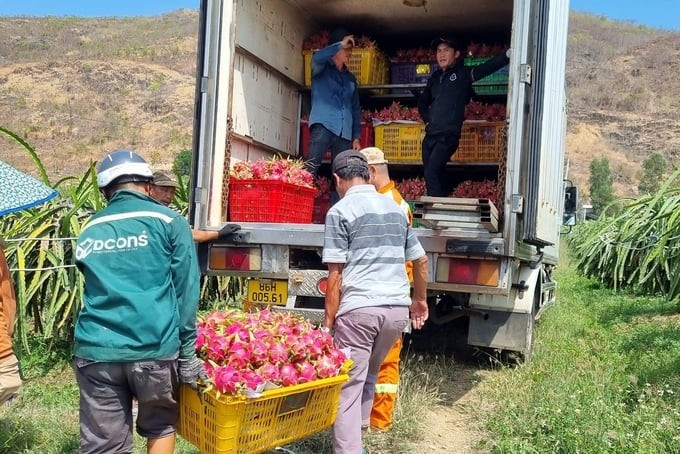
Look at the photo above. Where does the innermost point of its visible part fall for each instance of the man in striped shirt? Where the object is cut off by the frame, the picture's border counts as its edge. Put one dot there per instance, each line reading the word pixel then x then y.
pixel 387 384
pixel 367 242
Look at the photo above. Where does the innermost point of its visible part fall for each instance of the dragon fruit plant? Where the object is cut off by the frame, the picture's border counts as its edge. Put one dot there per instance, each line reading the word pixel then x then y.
pixel 245 350
pixel 275 169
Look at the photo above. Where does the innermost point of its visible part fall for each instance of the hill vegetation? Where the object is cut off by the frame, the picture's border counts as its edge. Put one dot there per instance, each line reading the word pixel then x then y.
pixel 76 88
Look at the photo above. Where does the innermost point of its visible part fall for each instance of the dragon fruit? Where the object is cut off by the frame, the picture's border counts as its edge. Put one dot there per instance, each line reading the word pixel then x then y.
pixel 275 169
pixel 227 379
pixel 288 375
pixel 242 350
pixel 306 372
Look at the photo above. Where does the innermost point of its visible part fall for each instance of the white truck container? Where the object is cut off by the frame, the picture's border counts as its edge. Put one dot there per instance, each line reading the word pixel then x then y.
pixel 249 99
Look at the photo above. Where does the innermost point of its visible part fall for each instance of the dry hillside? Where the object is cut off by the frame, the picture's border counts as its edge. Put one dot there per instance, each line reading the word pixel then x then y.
pixel 76 88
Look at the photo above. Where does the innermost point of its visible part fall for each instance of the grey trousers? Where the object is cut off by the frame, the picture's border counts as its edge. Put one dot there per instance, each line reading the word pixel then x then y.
pixel 369 333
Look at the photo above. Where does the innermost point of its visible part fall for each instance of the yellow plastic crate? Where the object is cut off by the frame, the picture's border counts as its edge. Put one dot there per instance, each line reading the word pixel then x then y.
pixel 480 142
pixel 400 142
pixel 235 425
pixel 369 66
pixel 307 55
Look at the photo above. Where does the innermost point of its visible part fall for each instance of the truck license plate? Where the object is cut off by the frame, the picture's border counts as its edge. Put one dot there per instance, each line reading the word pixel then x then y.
pixel 264 291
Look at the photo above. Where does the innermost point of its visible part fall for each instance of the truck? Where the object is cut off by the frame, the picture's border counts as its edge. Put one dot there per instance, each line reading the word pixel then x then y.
pixel 251 95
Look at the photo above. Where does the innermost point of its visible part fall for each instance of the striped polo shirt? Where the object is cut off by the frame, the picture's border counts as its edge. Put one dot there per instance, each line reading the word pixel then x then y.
pixel 370 235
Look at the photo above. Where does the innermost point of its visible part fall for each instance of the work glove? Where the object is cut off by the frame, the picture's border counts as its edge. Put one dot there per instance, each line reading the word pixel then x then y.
pixel 190 370
pixel 228 230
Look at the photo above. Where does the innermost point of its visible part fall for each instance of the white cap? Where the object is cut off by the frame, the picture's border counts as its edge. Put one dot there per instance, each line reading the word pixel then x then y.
pixel 374 155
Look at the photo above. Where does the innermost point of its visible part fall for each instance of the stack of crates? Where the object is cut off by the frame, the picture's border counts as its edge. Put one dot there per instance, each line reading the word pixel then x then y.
pixel 496 83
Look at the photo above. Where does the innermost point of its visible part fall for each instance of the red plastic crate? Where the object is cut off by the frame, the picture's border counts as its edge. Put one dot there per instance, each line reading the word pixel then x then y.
pixel 321 206
pixel 367 136
pixel 270 201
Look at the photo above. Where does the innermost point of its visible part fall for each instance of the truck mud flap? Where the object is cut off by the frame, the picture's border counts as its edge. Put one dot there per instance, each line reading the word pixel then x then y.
pixel 501 330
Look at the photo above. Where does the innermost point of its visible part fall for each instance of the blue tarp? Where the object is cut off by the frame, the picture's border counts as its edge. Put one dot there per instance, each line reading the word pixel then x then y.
pixel 20 191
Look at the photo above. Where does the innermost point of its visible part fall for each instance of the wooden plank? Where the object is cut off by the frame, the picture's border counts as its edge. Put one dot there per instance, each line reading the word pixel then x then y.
pixel 459 225
pixel 454 216
pixel 490 226
pixel 439 221
pixel 489 207
pixel 451 200
pixel 456 203
pixel 445 206
pixel 445 214
pixel 458 215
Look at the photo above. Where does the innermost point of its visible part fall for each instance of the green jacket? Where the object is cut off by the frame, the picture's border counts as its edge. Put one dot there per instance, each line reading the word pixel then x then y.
pixel 141 274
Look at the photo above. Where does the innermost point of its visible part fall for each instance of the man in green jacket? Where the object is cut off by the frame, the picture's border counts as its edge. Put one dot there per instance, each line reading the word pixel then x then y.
pixel 136 333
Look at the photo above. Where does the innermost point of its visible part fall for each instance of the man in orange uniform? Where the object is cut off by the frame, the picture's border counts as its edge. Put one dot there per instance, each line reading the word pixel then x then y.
pixel 387 385
pixel 10 381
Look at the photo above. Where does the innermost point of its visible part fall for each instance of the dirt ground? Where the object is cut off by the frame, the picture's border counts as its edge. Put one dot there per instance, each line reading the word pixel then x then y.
pixel 454 426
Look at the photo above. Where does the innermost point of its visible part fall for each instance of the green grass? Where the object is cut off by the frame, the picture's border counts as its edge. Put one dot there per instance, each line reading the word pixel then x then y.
pixel 45 416
pixel 419 390
pixel 604 377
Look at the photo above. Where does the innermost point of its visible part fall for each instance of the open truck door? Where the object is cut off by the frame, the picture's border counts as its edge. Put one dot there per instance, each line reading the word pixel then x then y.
pixel 546 131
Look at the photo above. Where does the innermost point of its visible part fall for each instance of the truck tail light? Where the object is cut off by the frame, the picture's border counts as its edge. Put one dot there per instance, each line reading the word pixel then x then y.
pixel 468 271
pixel 322 285
pixel 235 258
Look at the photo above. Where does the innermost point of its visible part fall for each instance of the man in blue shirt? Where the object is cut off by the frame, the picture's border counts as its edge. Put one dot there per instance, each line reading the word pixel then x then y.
pixel 334 120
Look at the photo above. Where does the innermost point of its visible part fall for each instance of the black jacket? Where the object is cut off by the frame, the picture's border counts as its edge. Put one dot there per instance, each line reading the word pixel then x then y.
pixel 442 103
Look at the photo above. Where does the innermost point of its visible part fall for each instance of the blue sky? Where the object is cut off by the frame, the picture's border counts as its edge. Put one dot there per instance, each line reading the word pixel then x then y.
pixel 92 8
pixel 654 13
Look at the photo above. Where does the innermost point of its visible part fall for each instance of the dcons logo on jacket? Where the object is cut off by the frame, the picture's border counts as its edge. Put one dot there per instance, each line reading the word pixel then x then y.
pixel 108 245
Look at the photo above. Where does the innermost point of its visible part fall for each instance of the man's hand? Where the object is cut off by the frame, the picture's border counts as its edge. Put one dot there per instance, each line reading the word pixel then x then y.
pixel 356 145
pixel 190 370
pixel 228 229
pixel 347 41
pixel 419 312
pixel 332 301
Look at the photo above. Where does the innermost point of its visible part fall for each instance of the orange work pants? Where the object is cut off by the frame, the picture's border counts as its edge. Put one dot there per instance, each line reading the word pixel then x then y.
pixel 386 388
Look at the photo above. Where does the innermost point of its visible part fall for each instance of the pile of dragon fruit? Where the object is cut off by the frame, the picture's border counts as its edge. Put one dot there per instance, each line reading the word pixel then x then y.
pixel 485 189
pixel 248 350
pixel 275 169
pixel 411 188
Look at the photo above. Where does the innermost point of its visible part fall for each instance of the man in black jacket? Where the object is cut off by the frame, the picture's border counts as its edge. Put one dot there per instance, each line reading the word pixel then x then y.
pixel 442 106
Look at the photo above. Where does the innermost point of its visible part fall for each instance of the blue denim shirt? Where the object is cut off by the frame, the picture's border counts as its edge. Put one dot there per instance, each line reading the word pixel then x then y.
pixel 335 98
